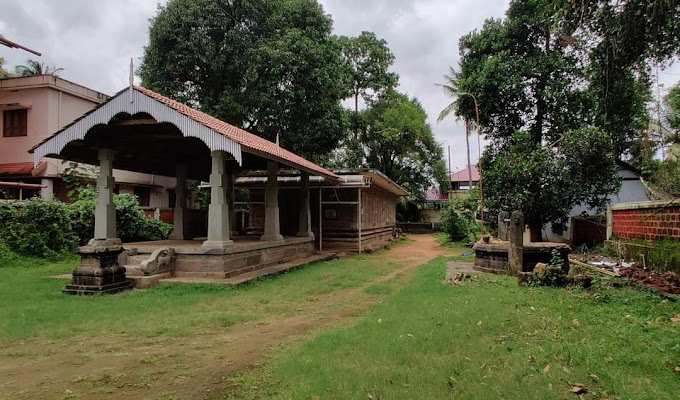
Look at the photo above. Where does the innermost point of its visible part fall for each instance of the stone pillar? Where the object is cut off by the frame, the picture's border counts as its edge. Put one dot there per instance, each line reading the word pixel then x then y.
pixel 516 238
pixel 99 271
pixel 230 202
pixel 218 210
pixel 305 216
pixel 105 212
pixel 47 193
pixel 180 202
pixel 272 224
pixel 503 225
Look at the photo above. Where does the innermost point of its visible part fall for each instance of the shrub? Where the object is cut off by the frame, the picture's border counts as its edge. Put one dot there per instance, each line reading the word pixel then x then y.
pixel 43 228
pixel 82 214
pixel 6 254
pixel 458 219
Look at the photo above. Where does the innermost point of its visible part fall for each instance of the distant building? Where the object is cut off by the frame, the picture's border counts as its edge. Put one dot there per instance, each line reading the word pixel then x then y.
pixel 586 226
pixel 34 107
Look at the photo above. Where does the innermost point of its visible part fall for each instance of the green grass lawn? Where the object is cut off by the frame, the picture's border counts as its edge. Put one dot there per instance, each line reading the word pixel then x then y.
pixel 32 305
pixel 486 339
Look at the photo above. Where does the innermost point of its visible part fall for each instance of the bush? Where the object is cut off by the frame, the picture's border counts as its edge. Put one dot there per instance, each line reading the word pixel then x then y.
pixel 457 219
pixel 6 254
pixel 44 229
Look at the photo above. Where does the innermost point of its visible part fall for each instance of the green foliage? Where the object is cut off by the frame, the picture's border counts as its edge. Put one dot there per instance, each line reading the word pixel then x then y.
pixel 666 178
pixel 38 227
pixel 269 66
pixel 48 228
pixel 133 225
pixel 34 67
pixel 3 72
pixel 7 256
pixel 397 140
pixel 458 219
pixel 545 183
pixel 556 259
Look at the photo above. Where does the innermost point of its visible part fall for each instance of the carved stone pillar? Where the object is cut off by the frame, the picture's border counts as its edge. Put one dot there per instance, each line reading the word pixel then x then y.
pixel 272 225
pixel 105 212
pixel 218 210
pixel 305 216
pixel 516 247
pixel 99 271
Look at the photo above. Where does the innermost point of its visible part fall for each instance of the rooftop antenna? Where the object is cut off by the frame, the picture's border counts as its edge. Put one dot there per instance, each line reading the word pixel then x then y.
pixel 132 77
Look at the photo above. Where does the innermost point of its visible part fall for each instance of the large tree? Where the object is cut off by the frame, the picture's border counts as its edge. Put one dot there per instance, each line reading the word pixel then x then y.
pixel 534 101
pixel 269 66
pixel 398 141
pixel 368 60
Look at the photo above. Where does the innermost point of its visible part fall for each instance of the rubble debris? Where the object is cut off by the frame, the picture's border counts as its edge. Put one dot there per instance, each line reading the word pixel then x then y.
pixel 458 278
pixel 664 281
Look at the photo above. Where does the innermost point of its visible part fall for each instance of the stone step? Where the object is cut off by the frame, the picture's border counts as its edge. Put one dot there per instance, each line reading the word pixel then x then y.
pixel 137 259
pixel 256 274
pixel 133 270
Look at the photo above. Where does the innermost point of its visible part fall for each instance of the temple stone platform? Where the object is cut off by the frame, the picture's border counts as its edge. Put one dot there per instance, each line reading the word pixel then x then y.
pixel 149 263
pixel 493 257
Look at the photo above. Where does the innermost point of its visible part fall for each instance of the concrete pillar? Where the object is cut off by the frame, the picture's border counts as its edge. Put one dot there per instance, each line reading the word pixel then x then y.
pixel 47 193
pixel 272 225
pixel 180 202
pixel 516 238
pixel 218 210
pixel 105 212
pixel 305 216
pixel 230 202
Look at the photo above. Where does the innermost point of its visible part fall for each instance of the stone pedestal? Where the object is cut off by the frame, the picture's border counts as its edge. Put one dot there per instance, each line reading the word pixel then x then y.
pixel 99 271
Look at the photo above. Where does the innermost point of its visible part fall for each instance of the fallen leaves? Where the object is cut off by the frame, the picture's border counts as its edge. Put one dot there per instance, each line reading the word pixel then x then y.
pixel 675 318
pixel 579 389
pixel 546 369
pixel 576 322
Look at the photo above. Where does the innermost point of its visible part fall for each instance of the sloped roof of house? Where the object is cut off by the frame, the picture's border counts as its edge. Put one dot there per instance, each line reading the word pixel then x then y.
pixel 230 134
pixel 20 168
pixel 462 176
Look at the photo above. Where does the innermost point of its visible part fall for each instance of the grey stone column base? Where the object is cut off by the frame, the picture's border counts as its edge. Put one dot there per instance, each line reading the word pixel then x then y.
pixel 98 272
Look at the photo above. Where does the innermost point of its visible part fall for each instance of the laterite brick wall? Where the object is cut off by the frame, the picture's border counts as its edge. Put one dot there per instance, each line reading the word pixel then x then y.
pixel 649 220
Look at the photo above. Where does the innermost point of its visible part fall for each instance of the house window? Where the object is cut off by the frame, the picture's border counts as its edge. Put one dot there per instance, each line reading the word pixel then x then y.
pixel 143 195
pixel 14 123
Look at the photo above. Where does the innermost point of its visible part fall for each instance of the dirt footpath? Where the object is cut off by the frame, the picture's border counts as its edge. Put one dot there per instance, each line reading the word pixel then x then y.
pixel 194 367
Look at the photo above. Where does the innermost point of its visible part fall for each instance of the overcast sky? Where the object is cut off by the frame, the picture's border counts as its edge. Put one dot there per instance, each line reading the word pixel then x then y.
pixel 94 40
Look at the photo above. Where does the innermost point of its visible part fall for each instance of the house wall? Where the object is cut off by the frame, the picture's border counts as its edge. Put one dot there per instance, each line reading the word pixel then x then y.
pixel 632 190
pixel 652 220
pixel 55 103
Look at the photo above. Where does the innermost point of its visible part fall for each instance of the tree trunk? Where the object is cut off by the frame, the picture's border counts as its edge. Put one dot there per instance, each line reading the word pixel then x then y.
pixel 536 229
pixel 467 147
pixel 356 116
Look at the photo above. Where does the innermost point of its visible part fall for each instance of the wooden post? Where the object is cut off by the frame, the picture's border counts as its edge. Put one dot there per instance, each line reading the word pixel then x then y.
pixel 320 219
pixel 516 248
pixel 359 217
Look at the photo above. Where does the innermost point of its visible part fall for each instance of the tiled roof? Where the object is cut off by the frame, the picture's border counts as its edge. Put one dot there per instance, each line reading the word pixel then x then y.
pixel 16 168
pixel 240 136
pixel 462 176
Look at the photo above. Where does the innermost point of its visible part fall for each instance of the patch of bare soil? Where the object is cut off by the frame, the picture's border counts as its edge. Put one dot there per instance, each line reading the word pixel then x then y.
pixel 195 367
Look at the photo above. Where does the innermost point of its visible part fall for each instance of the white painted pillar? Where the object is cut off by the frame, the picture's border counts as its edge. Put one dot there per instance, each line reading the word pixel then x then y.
pixel 218 210
pixel 272 224
pixel 47 193
pixel 105 212
pixel 305 216
pixel 180 202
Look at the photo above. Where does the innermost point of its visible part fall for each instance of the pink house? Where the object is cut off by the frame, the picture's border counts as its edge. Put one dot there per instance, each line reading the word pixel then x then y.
pixel 34 107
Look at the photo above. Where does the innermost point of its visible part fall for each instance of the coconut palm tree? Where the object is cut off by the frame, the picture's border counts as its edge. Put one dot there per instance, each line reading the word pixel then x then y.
pixel 33 67
pixel 450 89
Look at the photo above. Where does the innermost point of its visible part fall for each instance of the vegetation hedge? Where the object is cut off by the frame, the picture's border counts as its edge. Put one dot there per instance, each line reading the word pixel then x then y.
pixel 47 228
